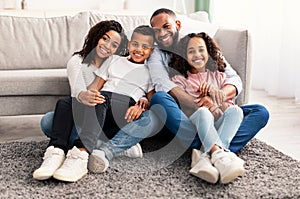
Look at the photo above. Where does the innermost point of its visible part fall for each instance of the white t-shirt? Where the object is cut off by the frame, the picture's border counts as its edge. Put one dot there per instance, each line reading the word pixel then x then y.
pixel 124 77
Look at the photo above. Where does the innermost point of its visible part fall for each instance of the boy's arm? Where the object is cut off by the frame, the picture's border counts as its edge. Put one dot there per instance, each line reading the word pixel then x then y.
pixel 97 84
pixel 135 111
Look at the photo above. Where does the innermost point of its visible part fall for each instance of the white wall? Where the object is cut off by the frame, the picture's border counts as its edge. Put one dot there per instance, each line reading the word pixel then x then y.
pixel 147 6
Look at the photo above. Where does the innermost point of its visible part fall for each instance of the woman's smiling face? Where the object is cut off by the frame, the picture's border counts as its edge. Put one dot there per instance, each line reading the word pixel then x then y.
pixel 108 44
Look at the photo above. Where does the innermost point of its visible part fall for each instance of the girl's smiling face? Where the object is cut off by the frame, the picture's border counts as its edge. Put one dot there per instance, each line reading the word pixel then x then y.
pixel 197 55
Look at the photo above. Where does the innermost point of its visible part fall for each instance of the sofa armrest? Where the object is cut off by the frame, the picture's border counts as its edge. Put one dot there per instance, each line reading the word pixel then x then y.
pixel 236 47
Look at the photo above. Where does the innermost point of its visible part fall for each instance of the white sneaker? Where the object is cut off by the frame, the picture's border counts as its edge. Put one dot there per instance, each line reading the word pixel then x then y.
pixel 205 170
pixel 74 167
pixel 53 158
pixel 228 164
pixel 133 152
pixel 98 163
pixel 195 157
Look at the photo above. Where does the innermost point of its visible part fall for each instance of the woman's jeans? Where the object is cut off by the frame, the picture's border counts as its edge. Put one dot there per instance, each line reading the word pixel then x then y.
pixel 46 126
pixel 220 132
pixel 255 118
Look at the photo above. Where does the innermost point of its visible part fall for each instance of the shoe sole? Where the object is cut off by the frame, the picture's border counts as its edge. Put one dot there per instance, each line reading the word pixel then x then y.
pixel 96 164
pixel 140 152
pixel 230 176
pixel 205 175
pixel 60 177
pixel 41 177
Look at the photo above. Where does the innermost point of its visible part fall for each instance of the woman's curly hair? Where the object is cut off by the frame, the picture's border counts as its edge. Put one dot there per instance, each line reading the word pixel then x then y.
pixel 179 58
pixel 88 51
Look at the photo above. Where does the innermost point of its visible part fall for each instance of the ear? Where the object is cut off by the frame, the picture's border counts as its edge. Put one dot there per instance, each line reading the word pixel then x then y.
pixel 178 25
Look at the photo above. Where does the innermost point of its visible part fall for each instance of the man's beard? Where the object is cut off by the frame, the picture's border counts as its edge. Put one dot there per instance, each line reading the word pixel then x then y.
pixel 170 48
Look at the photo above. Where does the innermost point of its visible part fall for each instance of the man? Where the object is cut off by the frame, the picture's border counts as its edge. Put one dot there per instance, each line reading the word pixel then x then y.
pixel 166 28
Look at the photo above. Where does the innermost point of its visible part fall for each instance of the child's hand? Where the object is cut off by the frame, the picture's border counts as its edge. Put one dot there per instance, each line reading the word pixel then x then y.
pixel 91 97
pixel 204 102
pixel 133 113
pixel 143 103
pixel 204 89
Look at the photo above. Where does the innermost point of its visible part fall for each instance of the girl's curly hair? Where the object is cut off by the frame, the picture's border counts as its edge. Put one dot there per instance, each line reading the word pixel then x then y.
pixel 88 51
pixel 179 58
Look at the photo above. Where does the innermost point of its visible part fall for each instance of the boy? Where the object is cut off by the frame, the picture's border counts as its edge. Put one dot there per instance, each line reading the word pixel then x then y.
pixel 123 80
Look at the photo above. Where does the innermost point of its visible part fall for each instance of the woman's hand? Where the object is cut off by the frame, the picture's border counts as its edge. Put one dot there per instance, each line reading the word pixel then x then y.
pixel 133 113
pixel 91 97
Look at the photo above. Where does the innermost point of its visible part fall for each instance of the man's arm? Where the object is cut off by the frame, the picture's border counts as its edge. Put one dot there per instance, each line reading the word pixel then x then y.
pixel 233 82
pixel 230 92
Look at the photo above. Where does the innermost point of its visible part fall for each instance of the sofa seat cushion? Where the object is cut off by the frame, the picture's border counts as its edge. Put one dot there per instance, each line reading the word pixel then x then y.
pixel 27 105
pixel 34 82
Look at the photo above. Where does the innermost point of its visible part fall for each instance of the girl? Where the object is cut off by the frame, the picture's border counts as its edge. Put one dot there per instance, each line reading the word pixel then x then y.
pixel 216 125
pixel 103 40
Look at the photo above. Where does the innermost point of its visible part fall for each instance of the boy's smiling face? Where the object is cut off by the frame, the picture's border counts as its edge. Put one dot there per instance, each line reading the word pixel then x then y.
pixel 140 47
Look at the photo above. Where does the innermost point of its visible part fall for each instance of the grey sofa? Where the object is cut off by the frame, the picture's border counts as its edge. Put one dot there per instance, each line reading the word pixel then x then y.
pixel 34 52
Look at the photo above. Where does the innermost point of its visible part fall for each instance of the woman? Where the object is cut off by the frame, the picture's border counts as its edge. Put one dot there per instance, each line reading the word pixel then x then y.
pixel 103 40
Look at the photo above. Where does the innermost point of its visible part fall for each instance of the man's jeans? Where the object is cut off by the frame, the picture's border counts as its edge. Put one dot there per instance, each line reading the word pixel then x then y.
pixel 255 117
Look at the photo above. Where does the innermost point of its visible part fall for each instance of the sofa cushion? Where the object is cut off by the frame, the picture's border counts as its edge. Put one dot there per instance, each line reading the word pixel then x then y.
pixel 34 82
pixel 27 105
pixel 128 22
pixel 190 25
pixel 235 47
pixel 36 43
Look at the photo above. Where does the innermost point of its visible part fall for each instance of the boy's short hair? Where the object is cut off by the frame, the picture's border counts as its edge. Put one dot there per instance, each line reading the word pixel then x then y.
pixel 144 30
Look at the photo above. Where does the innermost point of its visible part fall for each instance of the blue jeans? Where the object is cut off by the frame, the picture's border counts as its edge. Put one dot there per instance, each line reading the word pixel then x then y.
pixel 255 118
pixel 220 132
pixel 46 126
pixel 131 134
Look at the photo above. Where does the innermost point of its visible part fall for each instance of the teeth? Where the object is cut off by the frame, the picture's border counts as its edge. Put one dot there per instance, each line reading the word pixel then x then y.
pixel 103 50
pixel 138 55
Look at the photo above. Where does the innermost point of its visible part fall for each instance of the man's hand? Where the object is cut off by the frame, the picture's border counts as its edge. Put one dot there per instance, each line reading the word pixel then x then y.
pixel 217 96
pixel 133 113
pixel 91 97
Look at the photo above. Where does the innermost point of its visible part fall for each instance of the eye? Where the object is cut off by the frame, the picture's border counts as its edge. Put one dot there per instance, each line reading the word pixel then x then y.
pixel 145 47
pixel 134 44
pixel 115 45
pixel 191 51
pixel 167 27
pixel 156 30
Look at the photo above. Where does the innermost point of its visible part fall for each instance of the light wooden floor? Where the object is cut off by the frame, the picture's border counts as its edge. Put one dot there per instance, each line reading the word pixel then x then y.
pixel 283 129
